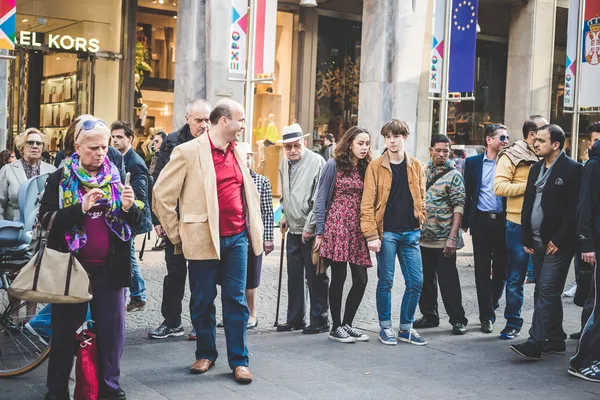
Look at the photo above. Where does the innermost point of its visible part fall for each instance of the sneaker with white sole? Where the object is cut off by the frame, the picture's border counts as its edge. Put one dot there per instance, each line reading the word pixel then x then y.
pixel 360 337
pixel 591 373
pixel 34 333
pixel 411 336
pixel 571 292
pixel 339 334
pixel 387 336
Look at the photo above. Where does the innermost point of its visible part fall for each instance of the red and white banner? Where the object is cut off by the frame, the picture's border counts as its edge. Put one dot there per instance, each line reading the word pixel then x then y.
pixel 266 32
pixel 590 60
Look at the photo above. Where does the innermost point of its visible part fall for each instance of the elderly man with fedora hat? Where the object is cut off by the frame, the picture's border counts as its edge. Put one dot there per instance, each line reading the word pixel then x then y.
pixel 299 173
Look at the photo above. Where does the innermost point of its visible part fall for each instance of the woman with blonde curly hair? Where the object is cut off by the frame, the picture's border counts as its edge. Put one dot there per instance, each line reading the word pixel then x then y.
pixel 30 144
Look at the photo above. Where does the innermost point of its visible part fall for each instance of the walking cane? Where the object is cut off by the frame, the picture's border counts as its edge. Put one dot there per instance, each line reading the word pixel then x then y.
pixel 283 232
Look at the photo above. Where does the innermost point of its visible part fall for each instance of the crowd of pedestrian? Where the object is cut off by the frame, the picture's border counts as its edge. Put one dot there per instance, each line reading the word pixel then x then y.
pixel 525 203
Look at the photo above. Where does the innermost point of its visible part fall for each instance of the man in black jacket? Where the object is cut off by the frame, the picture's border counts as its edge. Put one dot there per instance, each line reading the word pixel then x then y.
pixel 548 234
pixel 586 362
pixel 197 120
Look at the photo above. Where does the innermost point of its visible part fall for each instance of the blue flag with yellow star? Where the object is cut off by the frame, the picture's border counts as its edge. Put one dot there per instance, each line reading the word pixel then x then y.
pixel 463 42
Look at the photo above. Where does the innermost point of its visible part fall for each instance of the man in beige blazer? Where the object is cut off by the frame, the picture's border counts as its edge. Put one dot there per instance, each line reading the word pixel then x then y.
pixel 219 214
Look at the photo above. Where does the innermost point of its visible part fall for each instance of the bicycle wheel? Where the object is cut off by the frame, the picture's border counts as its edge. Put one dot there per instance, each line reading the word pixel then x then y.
pixel 24 332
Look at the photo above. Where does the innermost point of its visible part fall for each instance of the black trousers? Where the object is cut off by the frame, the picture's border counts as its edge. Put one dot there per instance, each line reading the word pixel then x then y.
pixel 588 349
pixel 550 276
pixel 300 267
pixel 173 286
pixel 339 271
pixel 436 265
pixel 490 254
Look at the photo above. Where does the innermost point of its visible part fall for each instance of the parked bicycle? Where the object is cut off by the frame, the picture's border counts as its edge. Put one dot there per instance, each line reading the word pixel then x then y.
pixel 24 326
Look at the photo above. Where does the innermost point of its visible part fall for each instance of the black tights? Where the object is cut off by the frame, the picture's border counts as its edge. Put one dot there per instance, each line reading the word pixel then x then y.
pixel 339 270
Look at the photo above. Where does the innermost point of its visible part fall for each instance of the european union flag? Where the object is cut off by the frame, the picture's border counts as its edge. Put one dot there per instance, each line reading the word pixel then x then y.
pixel 463 42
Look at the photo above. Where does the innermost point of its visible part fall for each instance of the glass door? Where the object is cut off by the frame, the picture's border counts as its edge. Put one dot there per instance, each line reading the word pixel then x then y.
pixel 85 85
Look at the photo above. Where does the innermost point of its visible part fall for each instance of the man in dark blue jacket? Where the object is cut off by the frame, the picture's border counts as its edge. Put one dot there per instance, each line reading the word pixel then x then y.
pixel 122 135
pixel 485 216
pixel 197 123
pixel 585 363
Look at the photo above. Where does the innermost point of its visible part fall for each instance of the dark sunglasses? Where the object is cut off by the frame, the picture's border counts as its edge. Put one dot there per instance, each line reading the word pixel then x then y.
pixel 504 138
pixel 35 143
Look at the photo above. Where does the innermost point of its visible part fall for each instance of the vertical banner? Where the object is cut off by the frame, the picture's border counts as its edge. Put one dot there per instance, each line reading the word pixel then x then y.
pixel 266 33
pixel 463 43
pixel 239 33
pixel 8 24
pixel 571 60
pixel 437 48
pixel 590 51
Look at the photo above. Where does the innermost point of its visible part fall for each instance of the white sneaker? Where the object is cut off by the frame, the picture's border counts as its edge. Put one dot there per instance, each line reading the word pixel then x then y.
pixel 34 333
pixel 340 335
pixel 571 292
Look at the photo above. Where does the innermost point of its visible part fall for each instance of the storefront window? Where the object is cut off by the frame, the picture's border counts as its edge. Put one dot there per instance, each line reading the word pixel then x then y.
pixel 338 77
pixel 63 65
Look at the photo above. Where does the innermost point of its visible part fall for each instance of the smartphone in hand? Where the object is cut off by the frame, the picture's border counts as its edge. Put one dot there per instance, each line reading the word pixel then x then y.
pixel 127 179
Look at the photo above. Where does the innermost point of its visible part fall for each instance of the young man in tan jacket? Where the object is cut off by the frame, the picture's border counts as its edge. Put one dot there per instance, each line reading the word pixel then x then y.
pixel 512 171
pixel 209 208
pixel 391 214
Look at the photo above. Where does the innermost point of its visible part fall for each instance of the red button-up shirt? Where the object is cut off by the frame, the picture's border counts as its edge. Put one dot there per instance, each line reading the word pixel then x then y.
pixel 230 181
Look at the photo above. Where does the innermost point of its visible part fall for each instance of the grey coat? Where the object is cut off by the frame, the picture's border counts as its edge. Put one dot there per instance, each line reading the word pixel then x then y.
pixel 298 196
pixel 12 176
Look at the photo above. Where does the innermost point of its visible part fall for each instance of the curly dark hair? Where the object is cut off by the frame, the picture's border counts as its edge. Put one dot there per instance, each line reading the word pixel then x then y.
pixel 343 152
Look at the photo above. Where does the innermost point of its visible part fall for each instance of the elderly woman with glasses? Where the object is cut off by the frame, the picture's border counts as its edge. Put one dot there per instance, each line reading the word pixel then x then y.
pixel 94 217
pixel 30 144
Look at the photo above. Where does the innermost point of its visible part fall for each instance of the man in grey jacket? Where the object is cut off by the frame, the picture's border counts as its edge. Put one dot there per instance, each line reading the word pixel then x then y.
pixel 299 174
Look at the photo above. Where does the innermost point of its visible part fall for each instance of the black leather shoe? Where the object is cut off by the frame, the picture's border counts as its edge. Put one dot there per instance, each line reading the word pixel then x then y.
pixel 527 350
pixel 423 323
pixel 288 327
pixel 559 347
pixel 118 395
pixel 50 396
pixel 487 326
pixel 459 329
pixel 312 329
pixel 575 336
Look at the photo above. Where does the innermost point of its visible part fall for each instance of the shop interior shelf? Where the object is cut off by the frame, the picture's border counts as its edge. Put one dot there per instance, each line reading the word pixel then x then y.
pixel 54 127
pixel 59 102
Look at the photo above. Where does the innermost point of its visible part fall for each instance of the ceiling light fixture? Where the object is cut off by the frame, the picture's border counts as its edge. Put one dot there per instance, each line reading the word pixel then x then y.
pixel 308 3
pixel 25 20
pixel 161 1
pixel 174 16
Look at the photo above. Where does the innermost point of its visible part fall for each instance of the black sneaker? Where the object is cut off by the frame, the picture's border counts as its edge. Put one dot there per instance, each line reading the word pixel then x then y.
pixel 527 350
pixel 163 332
pixel 360 337
pixel 554 347
pixel 459 329
pixel 290 326
pixel 487 326
pixel 591 373
pixel 312 329
pixel 510 333
pixel 339 334
pixel 117 395
pixel 424 322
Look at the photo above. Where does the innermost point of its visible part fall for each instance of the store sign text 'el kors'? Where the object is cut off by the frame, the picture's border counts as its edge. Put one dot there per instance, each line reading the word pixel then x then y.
pixel 60 42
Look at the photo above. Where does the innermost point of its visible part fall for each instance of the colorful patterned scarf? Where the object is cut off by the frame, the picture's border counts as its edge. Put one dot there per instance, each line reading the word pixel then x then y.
pixel 75 179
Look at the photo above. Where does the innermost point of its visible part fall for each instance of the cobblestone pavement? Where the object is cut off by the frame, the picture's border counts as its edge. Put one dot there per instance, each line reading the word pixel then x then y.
pixel 153 269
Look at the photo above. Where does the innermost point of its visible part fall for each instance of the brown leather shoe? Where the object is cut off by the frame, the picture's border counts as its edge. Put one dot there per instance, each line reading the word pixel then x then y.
pixel 201 366
pixel 242 375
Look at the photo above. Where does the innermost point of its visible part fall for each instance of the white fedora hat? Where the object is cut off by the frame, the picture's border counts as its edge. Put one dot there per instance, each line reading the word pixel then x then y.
pixel 244 147
pixel 292 133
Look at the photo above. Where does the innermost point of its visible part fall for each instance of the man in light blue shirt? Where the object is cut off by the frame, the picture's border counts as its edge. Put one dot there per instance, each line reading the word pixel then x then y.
pixel 485 216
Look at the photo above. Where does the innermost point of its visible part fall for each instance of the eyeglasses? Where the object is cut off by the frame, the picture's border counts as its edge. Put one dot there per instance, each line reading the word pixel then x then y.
pixel 504 138
pixel 33 143
pixel 296 146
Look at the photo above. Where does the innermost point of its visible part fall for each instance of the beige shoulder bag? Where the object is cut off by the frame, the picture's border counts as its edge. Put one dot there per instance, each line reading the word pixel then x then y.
pixel 52 277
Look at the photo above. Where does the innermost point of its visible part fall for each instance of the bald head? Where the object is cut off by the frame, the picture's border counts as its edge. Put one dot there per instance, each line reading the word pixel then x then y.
pixel 228 120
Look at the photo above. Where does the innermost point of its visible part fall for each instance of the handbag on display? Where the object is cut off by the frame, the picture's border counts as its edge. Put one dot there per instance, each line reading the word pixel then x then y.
pixel 61 92
pixel 51 277
pixel 67 120
pixel 86 367
pixel 57 121
pixel 53 95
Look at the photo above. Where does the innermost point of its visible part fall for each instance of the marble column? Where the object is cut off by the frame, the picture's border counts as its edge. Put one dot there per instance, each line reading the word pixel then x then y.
pixel 393 44
pixel 530 63
pixel 202 54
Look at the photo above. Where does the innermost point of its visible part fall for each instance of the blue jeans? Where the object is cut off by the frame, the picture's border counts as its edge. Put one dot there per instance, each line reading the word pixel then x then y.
pixel 405 246
pixel 518 260
pixel 138 284
pixel 230 273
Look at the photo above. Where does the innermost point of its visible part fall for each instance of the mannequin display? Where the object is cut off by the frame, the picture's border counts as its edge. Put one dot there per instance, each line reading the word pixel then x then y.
pixel 259 132
pixel 272 132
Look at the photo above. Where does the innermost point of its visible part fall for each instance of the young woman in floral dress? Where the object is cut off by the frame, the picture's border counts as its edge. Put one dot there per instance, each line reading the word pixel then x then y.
pixel 339 238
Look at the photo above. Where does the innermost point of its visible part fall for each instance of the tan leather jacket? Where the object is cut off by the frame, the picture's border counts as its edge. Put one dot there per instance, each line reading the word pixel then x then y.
pixel 378 182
